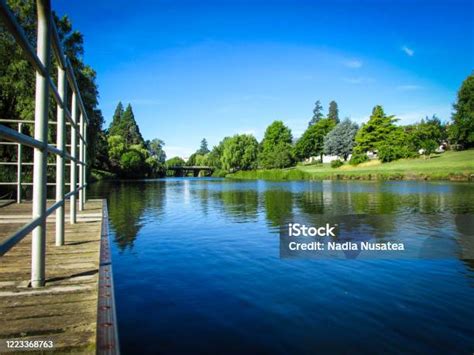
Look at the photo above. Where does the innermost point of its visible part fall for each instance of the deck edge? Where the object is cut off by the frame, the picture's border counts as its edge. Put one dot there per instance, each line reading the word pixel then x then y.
pixel 107 341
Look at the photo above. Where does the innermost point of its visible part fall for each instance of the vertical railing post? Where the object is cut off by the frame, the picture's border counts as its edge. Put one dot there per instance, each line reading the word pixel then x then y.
pixel 18 167
pixel 84 190
pixel 72 206
pixel 60 166
pixel 38 251
pixel 81 160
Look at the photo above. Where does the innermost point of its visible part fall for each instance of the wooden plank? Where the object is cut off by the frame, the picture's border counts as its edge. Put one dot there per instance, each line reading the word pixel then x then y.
pixel 65 310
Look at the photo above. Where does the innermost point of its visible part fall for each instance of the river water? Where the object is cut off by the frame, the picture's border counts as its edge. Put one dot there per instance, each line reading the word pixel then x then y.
pixel 197 269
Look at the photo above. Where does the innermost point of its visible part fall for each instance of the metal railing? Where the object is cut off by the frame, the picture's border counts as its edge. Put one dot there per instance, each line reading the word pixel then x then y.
pixel 47 39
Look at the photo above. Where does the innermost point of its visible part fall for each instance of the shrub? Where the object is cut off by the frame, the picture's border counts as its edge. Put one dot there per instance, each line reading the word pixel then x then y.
pixel 132 163
pixel 388 152
pixel 219 173
pixel 336 163
pixel 358 158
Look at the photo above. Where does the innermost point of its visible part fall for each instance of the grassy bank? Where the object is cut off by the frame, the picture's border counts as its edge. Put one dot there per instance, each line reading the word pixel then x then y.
pixel 455 166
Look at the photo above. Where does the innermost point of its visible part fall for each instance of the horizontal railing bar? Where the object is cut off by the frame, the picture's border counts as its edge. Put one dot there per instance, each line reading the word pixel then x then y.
pixel 55 92
pixel 69 194
pixel 68 116
pixel 60 102
pixel 9 243
pixel 31 164
pixel 26 163
pixel 31 184
pixel 17 32
pixel 70 122
pixel 25 121
pixel 72 81
pixel 54 150
pixel 20 234
pixel 16 136
pixel 15 143
pixel 57 48
pixel 54 207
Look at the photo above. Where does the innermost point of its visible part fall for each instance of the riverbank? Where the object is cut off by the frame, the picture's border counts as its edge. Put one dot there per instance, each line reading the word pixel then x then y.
pixel 453 166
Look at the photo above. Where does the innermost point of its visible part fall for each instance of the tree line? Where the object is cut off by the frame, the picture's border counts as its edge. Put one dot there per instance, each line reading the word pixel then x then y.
pixel 328 135
pixel 129 155
pixel 121 148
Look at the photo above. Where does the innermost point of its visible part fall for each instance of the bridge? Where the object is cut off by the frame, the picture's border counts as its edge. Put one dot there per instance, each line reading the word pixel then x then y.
pixel 195 171
pixel 56 283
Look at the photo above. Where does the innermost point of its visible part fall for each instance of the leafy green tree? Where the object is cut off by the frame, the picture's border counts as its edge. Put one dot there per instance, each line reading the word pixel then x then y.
pixel 155 148
pixel 341 140
pixel 462 129
pixel 101 159
pixel 317 113
pixel 426 135
pixel 395 146
pixel 203 149
pixel 191 160
pixel 215 156
pixel 202 159
pixel 132 164
pixel 240 152
pixel 375 131
pixel 117 147
pixel 276 149
pixel 312 142
pixel 333 113
pixel 175 161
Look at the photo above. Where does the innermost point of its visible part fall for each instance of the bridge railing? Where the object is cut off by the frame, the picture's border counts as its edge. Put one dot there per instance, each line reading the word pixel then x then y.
pixel 47 40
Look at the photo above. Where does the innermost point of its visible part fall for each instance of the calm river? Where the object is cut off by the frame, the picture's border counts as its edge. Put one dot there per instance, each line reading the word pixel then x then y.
pixel 197 269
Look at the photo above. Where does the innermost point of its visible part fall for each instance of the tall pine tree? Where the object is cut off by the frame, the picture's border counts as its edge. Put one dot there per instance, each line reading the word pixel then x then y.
pixel 317 113
pixel 333 113
pixel 203 150
pixel 375 131
pixel 129 128
pixel 114 128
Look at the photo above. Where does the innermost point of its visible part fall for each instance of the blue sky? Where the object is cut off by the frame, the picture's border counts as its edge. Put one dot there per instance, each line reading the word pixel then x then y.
pixel 194 69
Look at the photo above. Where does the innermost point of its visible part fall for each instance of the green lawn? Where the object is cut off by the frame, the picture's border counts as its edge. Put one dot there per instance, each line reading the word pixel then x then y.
pixel 445 166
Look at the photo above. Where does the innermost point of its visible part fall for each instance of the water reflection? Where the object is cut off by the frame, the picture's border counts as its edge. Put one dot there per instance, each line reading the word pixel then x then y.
pixel 278 206
pixel 130 202
pixel 201 257
pixel 127 202
pixel 241 205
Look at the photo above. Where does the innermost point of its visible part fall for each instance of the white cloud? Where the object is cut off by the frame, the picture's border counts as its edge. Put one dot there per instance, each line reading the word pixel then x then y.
pixel 408 51
pixel 409 87
pixel 353 63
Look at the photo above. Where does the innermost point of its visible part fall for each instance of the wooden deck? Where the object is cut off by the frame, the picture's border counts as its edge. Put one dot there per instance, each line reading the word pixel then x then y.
pixel 65 311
